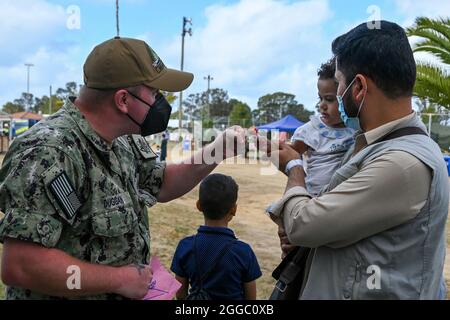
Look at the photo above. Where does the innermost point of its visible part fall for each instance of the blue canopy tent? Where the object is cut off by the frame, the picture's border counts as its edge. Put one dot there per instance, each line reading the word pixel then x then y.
pixel 287 124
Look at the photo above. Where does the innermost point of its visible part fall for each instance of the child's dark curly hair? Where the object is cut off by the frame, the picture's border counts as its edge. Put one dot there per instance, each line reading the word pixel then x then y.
pixel 327 70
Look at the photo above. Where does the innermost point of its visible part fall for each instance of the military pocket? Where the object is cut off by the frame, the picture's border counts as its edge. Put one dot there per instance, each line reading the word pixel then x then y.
pixel 115 237
pixel 114 223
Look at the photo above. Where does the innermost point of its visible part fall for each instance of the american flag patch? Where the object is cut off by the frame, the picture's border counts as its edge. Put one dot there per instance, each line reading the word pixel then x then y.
pixel 65 194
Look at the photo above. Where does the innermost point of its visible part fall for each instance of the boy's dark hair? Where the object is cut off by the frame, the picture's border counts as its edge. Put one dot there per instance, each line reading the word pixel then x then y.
pixel 218 194
pixel 383 54
pixel 327 70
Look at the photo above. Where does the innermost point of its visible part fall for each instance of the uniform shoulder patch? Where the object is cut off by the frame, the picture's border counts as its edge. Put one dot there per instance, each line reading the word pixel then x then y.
pixel 64 193
pixel 143 147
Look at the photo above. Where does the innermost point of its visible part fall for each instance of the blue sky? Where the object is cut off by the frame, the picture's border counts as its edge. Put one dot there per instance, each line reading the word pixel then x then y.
pixel 250 47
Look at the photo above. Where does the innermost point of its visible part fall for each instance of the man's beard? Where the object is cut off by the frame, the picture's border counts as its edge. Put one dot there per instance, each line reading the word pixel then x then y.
pixel 351 109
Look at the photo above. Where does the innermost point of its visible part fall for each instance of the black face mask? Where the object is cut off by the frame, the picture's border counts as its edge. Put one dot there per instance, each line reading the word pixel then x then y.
pixel 157 118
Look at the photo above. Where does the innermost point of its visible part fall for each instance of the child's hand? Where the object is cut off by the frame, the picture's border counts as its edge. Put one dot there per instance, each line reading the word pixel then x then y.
pixel 283 155
pixel 299 146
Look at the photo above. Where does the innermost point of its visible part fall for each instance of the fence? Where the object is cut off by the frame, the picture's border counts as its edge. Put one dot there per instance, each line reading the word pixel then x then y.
pixel 438 125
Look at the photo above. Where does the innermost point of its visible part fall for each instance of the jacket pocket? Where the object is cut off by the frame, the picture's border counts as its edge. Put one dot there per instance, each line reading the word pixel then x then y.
pixel 114 223
pixel 116 237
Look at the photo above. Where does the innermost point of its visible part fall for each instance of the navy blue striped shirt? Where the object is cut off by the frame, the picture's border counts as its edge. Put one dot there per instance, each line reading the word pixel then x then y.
pixel 238 265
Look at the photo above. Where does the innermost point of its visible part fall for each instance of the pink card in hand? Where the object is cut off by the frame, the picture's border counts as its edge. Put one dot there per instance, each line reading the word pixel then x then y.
pixel 163 285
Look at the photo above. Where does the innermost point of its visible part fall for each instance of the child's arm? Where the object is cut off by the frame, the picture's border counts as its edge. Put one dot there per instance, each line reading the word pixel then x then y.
pixel 299 146
pixel 183 291
pixel 250 290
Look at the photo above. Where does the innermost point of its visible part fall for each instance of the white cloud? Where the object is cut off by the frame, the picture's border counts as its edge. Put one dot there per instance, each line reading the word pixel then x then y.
pixel 430 8
pixel 25 24
pixel 33 31
pixel 50 68
pixel 255 47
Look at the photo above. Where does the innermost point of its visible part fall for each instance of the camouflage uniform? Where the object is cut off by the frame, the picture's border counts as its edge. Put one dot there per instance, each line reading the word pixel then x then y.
pixel 101 216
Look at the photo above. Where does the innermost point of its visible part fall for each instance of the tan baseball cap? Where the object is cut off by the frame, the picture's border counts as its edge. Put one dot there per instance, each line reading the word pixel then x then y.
pixel 126 62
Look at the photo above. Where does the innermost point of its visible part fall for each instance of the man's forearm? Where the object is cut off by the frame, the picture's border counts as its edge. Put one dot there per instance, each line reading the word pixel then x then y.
pixel 181 178
pixel 47 271
pixel 296 178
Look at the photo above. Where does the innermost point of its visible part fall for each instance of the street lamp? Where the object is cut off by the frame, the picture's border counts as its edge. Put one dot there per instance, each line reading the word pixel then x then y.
pixel 28 65
pixel 185 31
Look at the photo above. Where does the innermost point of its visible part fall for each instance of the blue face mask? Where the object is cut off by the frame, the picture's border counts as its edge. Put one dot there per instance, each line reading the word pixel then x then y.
pixel 349 122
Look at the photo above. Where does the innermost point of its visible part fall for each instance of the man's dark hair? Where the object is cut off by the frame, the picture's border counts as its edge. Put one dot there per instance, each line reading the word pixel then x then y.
pixel 382 54
pixel 218 194
pixel 327 70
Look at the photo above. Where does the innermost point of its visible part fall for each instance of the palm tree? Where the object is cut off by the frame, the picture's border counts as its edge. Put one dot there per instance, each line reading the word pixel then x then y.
pixel 433 81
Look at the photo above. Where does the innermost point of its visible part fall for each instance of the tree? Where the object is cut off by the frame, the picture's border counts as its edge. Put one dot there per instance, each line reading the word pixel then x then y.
pixel 273 107
pixel 241 114
pixel 219 105
pixel 300 112
pixel 211 109
pixel 70 90
pixel 11 107
pixel 192 105
pixel 191 110
pixel 433 81
pixel 21 104
pixel 43 104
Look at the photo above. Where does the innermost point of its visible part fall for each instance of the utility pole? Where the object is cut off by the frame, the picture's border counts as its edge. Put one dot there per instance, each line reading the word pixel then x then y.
pixel 209 79
pixel 185 31
pixel 28 65
pixel 51 102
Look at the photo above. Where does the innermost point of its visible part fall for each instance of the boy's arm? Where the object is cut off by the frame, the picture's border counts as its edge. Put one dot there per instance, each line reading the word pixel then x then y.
pixel 183 291
pixel 250 290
